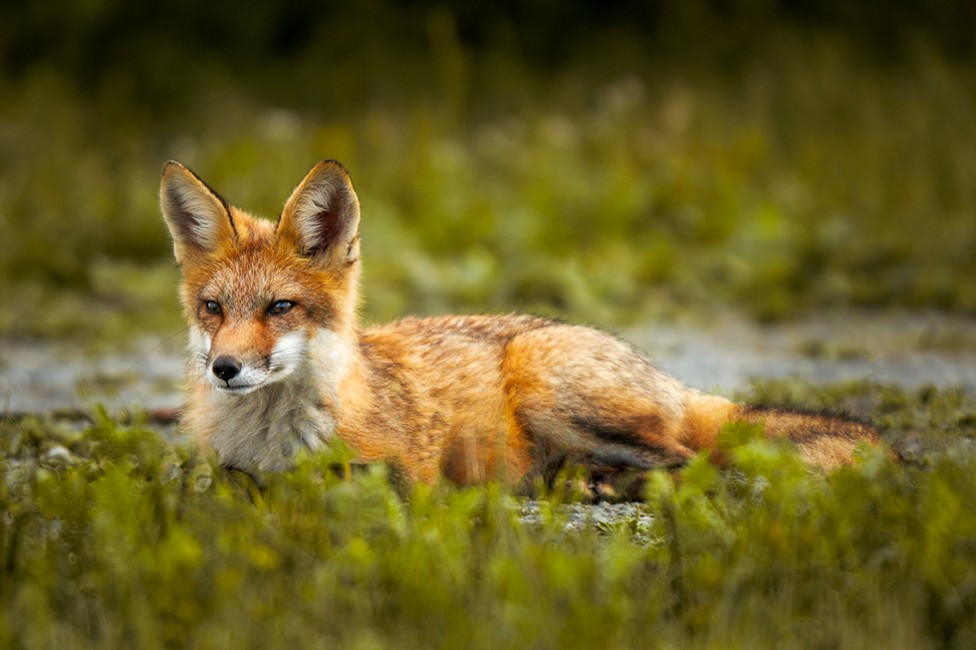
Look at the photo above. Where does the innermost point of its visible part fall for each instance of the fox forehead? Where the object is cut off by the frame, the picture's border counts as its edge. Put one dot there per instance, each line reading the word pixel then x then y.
pixel 249 280
pixel 250 275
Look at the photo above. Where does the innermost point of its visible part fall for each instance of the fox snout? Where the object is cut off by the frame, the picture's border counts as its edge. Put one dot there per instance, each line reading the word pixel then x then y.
pixel 237 365
pixel 238 375
pixel 233 374
pixel 226 367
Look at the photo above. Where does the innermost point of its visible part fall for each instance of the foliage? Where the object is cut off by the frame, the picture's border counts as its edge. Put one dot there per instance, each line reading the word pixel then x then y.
pixel 501 164
pixel 113 537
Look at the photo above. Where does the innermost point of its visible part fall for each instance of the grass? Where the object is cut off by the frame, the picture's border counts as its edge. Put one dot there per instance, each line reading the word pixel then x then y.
pixel 808 177
pixel 114 537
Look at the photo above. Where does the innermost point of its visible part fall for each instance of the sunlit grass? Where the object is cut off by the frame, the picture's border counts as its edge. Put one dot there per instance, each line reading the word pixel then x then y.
pixel 114 537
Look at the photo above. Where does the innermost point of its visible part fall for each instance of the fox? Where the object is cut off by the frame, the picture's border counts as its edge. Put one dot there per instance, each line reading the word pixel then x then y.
pixel 278 363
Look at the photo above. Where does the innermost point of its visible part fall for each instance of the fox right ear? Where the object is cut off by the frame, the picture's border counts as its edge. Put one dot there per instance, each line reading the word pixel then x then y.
pixel 321 217
pixel 198 219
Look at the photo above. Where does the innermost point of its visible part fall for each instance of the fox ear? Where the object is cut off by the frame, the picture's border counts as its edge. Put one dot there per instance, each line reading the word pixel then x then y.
pixel 198 219
pixel 321 217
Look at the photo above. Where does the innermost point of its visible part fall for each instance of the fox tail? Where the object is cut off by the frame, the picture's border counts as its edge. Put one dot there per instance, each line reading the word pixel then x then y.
pixel 821 440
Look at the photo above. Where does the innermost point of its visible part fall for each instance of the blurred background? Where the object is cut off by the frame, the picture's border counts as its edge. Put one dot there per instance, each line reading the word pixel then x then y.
pixel 614 163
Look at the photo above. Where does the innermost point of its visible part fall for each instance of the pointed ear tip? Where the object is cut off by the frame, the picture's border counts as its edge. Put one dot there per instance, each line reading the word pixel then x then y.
pixel 172 167
pixel 332 166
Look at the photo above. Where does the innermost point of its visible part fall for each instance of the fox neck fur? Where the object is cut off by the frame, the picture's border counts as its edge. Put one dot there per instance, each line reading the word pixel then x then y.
pixel 265 430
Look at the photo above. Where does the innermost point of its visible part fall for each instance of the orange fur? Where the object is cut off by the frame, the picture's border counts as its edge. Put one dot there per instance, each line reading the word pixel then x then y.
pixel 278 362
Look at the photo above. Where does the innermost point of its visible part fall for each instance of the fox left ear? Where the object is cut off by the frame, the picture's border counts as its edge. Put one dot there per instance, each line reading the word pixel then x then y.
pixel 321 217
pixel 198 219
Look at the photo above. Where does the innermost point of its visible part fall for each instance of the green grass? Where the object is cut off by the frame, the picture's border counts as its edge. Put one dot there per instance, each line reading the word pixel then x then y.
pixel 113 537
pixel 807 176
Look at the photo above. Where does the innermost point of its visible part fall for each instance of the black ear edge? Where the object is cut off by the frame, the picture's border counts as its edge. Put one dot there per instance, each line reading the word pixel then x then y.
pixel 334 163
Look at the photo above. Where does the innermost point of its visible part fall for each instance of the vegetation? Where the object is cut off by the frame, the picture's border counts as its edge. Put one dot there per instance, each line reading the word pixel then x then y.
pixel 597 161
pixel 501 164
pixel 112 537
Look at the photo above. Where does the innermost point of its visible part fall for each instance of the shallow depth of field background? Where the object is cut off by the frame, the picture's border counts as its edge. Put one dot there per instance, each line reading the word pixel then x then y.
pixel 609 164
pixel 805 166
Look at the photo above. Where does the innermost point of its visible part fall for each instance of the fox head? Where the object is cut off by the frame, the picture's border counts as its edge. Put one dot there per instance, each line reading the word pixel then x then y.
pixel 260 296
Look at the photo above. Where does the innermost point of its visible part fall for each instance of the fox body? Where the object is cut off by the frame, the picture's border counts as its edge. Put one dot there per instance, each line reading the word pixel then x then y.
pixel 278 362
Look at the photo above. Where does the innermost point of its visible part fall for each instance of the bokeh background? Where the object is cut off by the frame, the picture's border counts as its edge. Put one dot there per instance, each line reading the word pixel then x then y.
pixel 607 162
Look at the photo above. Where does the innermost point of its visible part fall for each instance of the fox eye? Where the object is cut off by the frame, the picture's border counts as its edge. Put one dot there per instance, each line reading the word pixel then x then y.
pixel 280 307
pixel 212 307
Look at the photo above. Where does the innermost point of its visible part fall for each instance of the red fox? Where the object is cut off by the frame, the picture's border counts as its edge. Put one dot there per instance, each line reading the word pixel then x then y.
pixel 278 363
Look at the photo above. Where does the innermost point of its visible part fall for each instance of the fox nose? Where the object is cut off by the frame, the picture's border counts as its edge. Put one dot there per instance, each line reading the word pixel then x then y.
pixel 226 368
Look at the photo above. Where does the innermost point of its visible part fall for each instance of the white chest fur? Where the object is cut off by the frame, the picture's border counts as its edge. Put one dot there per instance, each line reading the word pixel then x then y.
pixel 265 429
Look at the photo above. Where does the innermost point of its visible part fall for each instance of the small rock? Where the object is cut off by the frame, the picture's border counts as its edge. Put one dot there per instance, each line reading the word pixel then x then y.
pixel 59 454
